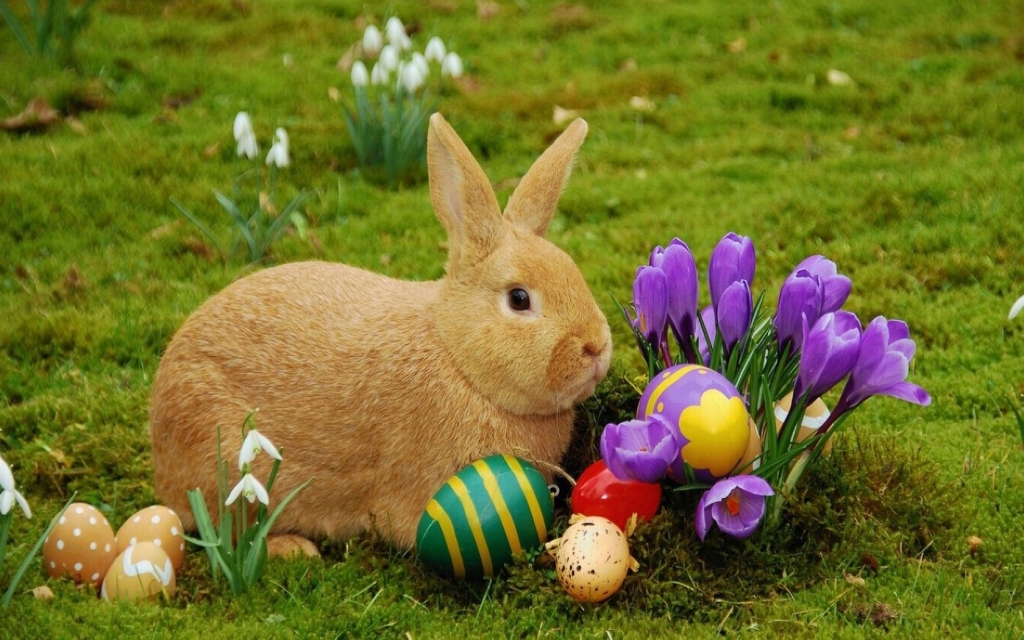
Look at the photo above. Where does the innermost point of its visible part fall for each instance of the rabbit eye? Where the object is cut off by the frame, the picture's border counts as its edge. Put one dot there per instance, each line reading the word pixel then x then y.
pixel 519 300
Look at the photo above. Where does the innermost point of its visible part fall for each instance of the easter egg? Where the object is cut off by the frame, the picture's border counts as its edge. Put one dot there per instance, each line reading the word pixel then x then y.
pixel 484 515
pixel 710 414
pixel 592 560
pixel 156 524
pixel 599 492
pixel 750 460
pixel 80 545
pixel 141 571
pixel 815 416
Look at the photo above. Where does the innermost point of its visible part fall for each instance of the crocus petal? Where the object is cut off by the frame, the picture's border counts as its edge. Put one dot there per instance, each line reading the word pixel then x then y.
pixel 744 524
pixel 703 516
pixel 828 354
pixel 732 260
pixel 707 316
pixel 835 288
pixel 735 313
pixel 650 299
pixel 639 449
pixel 681 276
pixel 799 297
pixel 1016 308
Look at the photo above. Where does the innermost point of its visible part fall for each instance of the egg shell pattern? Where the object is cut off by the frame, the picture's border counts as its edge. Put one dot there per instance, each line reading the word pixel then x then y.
pixel 592 560
pixel 484 515
pixel 141 571
pixel 814 417
pixel 81 545
pixel 710 414
pixel 156 524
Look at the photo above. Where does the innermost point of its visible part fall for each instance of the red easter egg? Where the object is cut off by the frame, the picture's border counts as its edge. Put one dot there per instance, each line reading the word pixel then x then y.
pixel 599 493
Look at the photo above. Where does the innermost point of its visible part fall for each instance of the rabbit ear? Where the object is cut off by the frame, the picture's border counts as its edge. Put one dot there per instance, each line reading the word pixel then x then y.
pixel 533 203
pixel 462 195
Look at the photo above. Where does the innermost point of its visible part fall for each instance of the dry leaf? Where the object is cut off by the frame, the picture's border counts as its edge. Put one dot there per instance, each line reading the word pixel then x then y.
pixel 43 593
pixel 267 204
pixel 485 9
pixel 974 544
pixel 738 45
pixel 76 125
pixel 838 78
pixel 334 94
pixel 560 116
pixel 211 151
pixel 852 132
pixel 385 258
pixel 37 116
pixel 854 580
pixel 346 61
pixel 628 65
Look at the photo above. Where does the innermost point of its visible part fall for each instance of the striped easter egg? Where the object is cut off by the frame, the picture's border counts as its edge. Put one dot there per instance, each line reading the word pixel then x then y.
pixel 483 516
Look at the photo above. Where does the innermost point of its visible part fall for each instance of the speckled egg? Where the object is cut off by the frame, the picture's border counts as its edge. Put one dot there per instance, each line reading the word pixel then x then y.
pixel 710 415
pixel 81 545
pixel 156 524
pixel 814 417
pixel 593 559
pixel 141 571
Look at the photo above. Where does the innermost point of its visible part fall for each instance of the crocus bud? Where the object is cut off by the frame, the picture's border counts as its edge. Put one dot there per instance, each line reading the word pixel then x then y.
pixel 650 299
pixel 732 260
pixel 828 354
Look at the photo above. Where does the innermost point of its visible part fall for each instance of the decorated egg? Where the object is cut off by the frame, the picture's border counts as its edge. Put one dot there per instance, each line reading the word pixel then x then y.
pixel 710 415
pixel 593 559
pixel 484 515
pixel 81 545
pixel 599 492
pixel 141 571
pixel 814 417
pixel 750 462
pixel 156 524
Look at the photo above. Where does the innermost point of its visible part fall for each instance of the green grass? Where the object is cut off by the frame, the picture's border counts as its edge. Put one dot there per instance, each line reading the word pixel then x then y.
pixel 909 180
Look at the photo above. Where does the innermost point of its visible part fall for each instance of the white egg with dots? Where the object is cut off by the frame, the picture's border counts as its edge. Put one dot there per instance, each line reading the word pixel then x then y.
pixel 156 524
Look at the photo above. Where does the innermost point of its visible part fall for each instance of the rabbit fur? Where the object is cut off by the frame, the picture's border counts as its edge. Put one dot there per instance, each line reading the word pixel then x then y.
pixel 381 389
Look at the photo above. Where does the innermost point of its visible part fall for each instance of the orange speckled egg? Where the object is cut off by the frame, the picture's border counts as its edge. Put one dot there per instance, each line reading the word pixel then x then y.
pixel 593 559
pixel 156 524
pixel 141 571
pixel 81 545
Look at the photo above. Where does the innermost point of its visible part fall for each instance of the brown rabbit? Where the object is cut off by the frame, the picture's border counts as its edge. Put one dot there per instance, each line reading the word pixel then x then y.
pixel 381 389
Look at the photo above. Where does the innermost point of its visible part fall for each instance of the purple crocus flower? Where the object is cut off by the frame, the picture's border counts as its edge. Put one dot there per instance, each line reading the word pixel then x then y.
pixel 882 365
pixel 707 316
pixel 735 313
pixel 813 288
pixel 681 276
pixel 650 298
pixel 732 260
pixel 640 449
pixel 828 354
pixel 735 504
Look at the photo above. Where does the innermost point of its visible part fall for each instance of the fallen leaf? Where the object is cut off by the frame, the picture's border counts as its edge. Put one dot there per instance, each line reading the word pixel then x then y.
pixel 854 580
pixel 74 280
pixel 738 45
pixel 37 116
pixel 838 78
pixel 76 125
pixel 346 61
pixel 43 593
pixel 485 9
pixel 334 94
pixel 628 65
pixel 974 544
pixel 267 204
pixel 852 132
pixel 211 151
pixel 560 116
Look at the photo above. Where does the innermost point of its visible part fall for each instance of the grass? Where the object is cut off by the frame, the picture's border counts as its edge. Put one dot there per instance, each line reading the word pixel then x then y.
pixel 909 179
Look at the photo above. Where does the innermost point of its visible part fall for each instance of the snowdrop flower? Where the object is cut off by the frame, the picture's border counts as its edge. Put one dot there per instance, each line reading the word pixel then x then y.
pixel 1016 308
pixel 360 76
pixel 451 65
pixel 395 33
pixel 389 58
pixel 254 443
pixel 379 75
pixel 435 50
pixel 411 77
pixel 420 61
pixel 372 40
pixel 10 494
pixel 278 156
pixel 244 135
pixel 250 488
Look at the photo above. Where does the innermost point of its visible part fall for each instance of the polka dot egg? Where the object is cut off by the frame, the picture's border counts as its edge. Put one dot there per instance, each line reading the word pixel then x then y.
pixel 156 524
pixel 81 545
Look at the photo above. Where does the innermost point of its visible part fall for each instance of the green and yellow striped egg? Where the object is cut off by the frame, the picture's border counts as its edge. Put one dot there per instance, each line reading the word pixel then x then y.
pixel 483 516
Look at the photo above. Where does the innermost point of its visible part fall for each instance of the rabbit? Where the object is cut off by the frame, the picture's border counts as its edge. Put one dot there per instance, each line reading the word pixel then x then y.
pixel 381 389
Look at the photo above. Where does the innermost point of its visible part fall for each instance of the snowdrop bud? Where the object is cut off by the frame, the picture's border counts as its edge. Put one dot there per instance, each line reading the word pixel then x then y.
pixel 420 61
pixel 389 58
pixel 360 76
pixel 243 126
pixel 435 49
pixel 411 77
pixel 379 75
pixel 451 65
pixel 395 31
pixel 372 40
pixel 278 154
